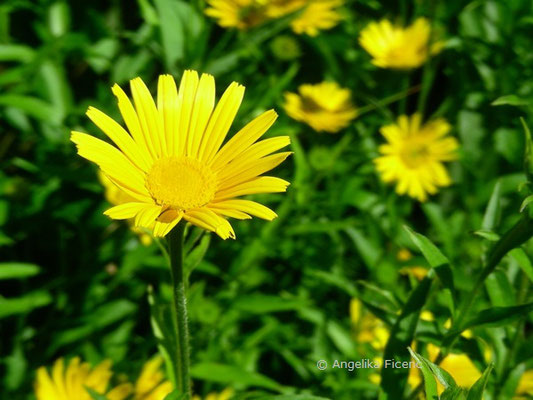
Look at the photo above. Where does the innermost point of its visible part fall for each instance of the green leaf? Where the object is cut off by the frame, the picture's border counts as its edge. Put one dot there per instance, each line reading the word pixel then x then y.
pixel 476 391
pixel 176 395
pixel 493 208
pixel 430 383
pixel 523 261
pixel 499 316
pixel 16 270
pixel 526 202
pixel 368 250
pixel 437 261
pixel 510 100
pixel 227 374
pixel 16 52
pixel 32 106
pixel 500 289
pixel 25 304
pixel 431 253
pixel 172 32
pixel 401 336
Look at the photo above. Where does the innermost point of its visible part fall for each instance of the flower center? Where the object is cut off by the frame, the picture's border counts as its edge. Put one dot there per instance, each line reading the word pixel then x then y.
pixel 415 154
pixel 181 182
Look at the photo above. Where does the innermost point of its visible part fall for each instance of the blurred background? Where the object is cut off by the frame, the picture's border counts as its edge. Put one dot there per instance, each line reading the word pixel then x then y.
pixel 333 267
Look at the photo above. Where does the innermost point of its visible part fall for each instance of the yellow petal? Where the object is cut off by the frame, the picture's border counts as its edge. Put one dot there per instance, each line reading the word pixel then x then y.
pixel 203 107
pixel 149 118
pixel 120 392
pixel 132 122
pixel 209 220
pixel 112 162
pixel 146 217
pixel 244 138
pixel 125 211
pixel 221 121
pixel 121 138
pixel 186 95
pixel 167 105
pixel 235 174
pixel 263 184
pixel 245 206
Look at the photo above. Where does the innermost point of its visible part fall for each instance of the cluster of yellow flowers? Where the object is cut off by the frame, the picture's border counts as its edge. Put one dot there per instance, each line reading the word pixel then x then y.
pixel 372 331
pixel 311 16
pixel 71 383
pixel 415 152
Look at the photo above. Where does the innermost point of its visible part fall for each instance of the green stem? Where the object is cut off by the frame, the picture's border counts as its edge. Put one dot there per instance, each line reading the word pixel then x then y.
pixel 175 246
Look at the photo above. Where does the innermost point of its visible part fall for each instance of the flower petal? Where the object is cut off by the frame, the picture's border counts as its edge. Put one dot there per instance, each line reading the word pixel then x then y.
pixel 167 105
pixel 263 184
pixel 125 211
pixel 246 206
pixel 201 112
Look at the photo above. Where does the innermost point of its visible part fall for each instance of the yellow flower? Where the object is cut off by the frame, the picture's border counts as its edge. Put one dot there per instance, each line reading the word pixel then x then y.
pixel 525 386
pixel 459 366
pixel 116 196
pixel 240 14
pixel 151 384
pixel 417 272
pixel 324 106
pixel 404 255
pixel 369 329
pixel 397 47
pixel 72 382
pixel 414 155
pixel 226 394
pixel 317 15
pixel 173 163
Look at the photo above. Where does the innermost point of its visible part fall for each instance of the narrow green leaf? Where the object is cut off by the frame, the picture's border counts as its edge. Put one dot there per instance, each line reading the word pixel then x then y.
pixel 499 315
pixel 16 270
pixel 368 250
pixel 32 106
pixel 401 336
pixel 510 100
pixel 176 395
pixel 25 304
pixel 261 304
pixel 431 253
pixel 430 383
pixel 16 52
pixel 523 261
pixel 493 208
pixel 172 32
pixel 476 391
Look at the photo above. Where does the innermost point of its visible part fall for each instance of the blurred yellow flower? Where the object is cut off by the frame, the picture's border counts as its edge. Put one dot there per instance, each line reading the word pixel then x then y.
pixel 226 394
pixel 151 384
pixel 459 366
pixel 397 47
pixel 525 386
pixel 324 106
pixel 240 14
pixel 404 255
pixel 416 272
pixel 71 383
pixel 369 329
pixel 316 16
pixel 414 155
pixel 174 165
pixel 115 196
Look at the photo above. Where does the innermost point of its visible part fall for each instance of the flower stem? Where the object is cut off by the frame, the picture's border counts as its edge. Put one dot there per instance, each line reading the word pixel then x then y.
pixel 175 246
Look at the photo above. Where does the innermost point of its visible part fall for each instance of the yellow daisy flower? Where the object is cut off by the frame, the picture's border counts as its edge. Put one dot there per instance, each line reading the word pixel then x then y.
pixel 116 196
pixel 317 15
pixel 393 46
pixel 151 384
pixel 240 14
pixel 525 386
pixel 226 394
pixel 324 106
pixel 414 155
pixel 174 165
pixel 72 382
pixel 459 366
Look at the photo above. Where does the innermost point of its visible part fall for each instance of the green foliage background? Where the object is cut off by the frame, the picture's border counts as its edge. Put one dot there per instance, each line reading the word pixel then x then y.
pixel 266 307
